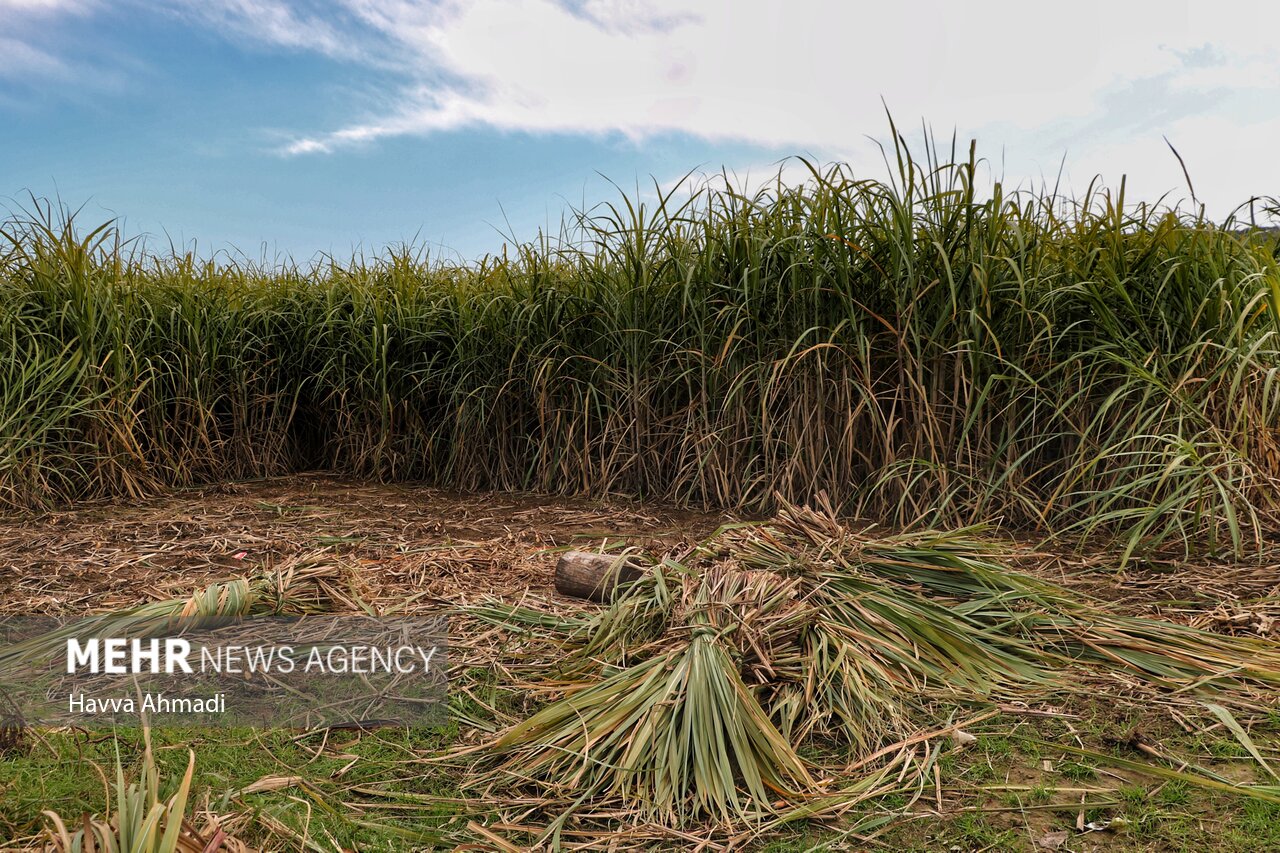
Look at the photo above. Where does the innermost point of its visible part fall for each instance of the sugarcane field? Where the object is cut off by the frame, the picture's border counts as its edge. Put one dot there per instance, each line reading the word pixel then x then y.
pixel 576 425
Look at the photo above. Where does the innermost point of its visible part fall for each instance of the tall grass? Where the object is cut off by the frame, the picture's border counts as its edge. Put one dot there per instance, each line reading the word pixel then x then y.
pixel 921 349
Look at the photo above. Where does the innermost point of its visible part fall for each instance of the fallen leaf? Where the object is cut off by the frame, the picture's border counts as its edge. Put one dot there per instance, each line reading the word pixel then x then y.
pixel 271 783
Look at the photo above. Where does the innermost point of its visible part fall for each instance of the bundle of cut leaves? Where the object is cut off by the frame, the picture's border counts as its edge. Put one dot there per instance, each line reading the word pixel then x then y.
pixel 310 583
pixel 695 692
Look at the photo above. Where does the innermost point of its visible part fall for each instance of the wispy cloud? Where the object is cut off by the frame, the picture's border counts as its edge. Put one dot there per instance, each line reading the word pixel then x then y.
pixel 30 48
pixel 45 7
pixel 21 60
pixel 322 28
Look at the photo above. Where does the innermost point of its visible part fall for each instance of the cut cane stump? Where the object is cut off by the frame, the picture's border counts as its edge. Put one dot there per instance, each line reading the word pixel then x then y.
pixel 593 576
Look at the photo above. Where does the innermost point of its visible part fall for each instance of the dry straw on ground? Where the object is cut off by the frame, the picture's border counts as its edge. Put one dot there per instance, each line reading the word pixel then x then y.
pixel 734 609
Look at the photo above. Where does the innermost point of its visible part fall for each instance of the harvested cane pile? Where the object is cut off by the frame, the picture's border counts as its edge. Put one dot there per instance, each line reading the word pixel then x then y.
pixel 696 693
pixel 316 582
pixel 775 671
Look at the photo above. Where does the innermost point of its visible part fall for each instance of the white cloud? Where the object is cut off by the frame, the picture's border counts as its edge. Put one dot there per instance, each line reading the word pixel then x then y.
pixel 1101 80
pixel 1228 160
pixel 810 75
pixel 808 72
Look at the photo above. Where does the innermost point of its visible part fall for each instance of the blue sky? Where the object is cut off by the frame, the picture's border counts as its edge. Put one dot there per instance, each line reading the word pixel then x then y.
pixel 294 126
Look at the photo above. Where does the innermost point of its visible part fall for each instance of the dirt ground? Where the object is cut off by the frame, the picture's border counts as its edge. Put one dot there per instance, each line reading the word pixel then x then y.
pixel 427 547
pixel 413 541
pixel 449 547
